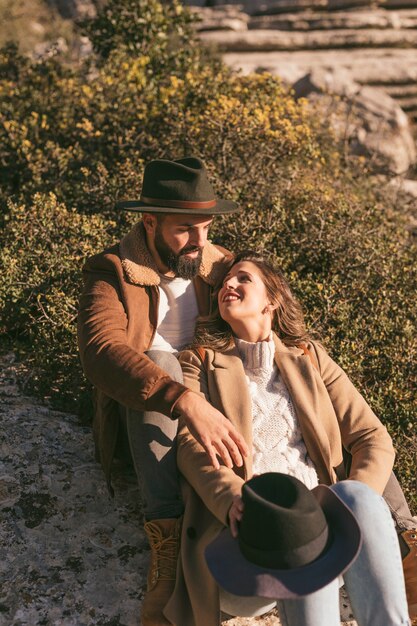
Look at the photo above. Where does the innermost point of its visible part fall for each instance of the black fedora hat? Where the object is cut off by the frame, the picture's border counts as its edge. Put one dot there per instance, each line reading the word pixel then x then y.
pixel 292 541
pixel 180 186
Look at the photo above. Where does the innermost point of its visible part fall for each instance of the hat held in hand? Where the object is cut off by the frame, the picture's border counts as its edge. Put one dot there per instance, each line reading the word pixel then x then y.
pixel 180 186
pixel 291 542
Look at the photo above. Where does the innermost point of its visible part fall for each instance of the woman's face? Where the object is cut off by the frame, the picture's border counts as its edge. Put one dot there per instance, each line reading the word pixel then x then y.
pixel 243 297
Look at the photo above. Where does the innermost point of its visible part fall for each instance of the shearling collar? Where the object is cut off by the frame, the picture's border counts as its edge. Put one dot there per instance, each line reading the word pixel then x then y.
pixel 141 269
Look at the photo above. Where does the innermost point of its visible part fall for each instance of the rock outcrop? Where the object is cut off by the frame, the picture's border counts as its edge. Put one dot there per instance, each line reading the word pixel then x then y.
pixel 370 121
pixel 371 44
pixel 376 41
pixel 266 40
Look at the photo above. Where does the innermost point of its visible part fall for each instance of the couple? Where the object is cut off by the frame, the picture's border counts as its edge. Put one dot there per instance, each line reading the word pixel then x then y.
pixel 255 393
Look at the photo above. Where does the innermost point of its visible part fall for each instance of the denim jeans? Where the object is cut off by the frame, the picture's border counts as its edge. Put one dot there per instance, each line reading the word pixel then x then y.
pixel 374 582
pixel 152 440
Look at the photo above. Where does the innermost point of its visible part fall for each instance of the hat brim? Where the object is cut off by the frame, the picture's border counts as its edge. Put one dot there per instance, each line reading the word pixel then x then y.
pixel 221 207
pixel 237 575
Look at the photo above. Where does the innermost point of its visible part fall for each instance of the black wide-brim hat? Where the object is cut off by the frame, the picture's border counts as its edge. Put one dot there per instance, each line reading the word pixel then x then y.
pixel 240 575
pixel 180 186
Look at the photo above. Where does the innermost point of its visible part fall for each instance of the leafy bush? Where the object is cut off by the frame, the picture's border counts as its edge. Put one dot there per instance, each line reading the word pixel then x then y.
pixel 43 247
pixel 73 140
pixel 158 31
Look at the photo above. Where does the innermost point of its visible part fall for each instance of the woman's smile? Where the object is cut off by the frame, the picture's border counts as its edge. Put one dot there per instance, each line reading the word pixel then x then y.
pixel 231 296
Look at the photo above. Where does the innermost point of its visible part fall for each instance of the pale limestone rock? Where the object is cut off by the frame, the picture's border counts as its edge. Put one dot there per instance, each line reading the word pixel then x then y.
pixel 325 81
pixel 264 40
pixel 222 18
pixel 324 20
pixel 405 185
pixel 282 6
pixel 372 121
pixel 381 66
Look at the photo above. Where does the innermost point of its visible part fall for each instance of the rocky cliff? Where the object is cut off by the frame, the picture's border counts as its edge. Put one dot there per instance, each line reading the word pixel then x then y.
pixel 359 52
pixel 375 41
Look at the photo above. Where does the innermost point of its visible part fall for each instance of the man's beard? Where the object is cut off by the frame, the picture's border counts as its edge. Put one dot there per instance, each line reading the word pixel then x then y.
pixel 178 263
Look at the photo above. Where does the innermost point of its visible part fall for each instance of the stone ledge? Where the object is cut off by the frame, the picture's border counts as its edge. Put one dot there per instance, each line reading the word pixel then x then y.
pixel 383 67
pixel 265 40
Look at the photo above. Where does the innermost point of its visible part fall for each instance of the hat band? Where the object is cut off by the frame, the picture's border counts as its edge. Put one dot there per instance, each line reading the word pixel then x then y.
pixel 179 204
pixel 286 559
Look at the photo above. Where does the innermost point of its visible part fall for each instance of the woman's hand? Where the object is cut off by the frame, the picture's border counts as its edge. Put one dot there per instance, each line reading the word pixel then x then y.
pixel 212 430
pixel 235 515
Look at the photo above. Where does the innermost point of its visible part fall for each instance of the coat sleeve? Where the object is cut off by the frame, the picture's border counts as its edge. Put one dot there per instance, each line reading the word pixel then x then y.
pixel 363 434
pixel 109 362
pixel 216 488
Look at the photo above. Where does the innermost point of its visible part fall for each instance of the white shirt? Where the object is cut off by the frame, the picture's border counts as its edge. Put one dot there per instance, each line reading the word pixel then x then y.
pixel 177 314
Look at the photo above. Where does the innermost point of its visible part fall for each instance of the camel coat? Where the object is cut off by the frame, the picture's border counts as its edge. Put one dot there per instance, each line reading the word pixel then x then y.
pixel 333 416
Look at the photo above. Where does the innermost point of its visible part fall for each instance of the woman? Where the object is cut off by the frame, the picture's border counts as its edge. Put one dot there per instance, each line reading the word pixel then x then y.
pixel 298 411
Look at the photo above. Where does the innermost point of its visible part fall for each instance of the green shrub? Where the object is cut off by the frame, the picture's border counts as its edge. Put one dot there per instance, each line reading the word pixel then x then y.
pixel 73 140
pixel 43 247
pixel 158 31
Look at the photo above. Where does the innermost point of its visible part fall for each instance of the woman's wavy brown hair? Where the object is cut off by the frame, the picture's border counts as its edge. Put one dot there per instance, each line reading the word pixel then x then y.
pixel 288 319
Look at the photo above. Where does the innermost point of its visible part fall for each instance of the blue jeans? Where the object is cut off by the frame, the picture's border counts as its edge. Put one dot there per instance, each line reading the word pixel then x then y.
pixel 374 582
pixel 152 440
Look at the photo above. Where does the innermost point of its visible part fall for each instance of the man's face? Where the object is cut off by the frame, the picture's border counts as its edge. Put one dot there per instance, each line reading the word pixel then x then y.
pixel 179 241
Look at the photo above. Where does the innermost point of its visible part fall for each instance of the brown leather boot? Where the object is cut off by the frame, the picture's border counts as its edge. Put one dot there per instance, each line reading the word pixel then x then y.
pixel 410 570
pixel 164 541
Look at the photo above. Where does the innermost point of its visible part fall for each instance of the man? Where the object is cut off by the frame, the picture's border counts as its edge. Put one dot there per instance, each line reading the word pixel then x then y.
pixel 138 308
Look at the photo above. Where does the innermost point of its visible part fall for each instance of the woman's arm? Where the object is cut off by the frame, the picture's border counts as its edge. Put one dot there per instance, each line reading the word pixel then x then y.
pixel 216 487
pixel 363 435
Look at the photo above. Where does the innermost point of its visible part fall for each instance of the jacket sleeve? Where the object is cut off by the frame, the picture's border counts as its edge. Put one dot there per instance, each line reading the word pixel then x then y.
pixel 109 362
pixel 363 434
pixel 216 488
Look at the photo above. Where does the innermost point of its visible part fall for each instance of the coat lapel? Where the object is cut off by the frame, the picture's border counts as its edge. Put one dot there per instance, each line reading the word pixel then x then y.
pixel 229 377
pixel 300 378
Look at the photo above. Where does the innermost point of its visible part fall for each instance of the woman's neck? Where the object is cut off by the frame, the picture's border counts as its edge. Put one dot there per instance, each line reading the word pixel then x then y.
pixel 251 332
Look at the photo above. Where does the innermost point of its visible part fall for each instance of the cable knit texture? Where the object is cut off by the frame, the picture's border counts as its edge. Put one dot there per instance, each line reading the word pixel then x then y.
pixel 278 445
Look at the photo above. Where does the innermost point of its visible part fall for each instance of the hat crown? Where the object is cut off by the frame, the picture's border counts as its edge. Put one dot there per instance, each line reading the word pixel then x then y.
pixel 276 503
pixel 180 186
pixel 283 525
pixel 182 180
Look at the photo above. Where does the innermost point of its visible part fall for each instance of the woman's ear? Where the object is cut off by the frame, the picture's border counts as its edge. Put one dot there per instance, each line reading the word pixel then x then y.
pixel 270 307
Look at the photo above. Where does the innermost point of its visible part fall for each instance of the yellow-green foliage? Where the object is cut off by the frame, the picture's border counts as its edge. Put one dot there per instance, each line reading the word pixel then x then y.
pixel 43 247
pixel 72 141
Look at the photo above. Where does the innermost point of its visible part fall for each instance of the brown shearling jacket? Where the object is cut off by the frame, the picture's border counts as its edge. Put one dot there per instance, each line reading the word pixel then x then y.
pixel 117 320
pixel 332 415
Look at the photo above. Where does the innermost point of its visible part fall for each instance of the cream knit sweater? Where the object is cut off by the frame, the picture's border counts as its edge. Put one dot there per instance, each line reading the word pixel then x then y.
pixel 278 445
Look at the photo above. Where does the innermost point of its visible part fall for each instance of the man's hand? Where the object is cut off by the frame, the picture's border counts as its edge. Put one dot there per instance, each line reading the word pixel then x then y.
pixel 235 515
pixel 212 430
